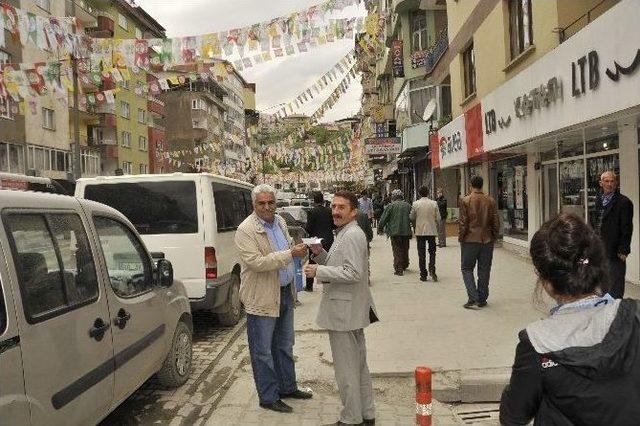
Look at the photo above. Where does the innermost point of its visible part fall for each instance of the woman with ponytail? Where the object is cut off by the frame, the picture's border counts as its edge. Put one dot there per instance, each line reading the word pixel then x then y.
pixel 580 366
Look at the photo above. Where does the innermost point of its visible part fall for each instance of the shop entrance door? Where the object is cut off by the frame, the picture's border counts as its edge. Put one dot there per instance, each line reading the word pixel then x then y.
pixel 550 191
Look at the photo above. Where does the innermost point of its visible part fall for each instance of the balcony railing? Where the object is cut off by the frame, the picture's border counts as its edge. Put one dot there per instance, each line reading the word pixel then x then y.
pixel 585 19
pixel 437 50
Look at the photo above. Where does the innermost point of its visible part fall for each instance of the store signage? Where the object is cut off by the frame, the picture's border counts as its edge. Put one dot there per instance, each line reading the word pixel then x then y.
pixel 397 57
pixel 452 143
pixel 537 98
pixel 473 130
pixel 597 69
pixel 377 146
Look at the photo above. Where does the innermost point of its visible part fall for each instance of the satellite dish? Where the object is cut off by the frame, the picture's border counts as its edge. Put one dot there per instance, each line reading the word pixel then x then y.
pixel 429 110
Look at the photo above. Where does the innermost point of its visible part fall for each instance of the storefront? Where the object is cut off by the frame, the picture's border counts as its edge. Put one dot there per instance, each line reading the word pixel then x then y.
pixel 560 123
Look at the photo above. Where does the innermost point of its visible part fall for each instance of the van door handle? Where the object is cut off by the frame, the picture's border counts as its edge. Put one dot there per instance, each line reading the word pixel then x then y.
pixel 121 320
pixel 98 329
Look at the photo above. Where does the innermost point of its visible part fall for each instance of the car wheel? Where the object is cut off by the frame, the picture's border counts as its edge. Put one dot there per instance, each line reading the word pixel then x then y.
pixel 233 315
pixel 177 366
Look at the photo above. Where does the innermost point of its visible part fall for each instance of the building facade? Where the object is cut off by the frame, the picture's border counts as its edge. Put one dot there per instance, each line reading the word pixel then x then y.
pixel 544 99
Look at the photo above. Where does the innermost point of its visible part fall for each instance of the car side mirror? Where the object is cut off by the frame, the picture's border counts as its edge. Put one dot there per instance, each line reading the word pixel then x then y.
pixel 164 271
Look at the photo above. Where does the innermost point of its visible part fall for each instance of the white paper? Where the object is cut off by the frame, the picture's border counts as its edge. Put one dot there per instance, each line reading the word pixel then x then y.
pixel 311 241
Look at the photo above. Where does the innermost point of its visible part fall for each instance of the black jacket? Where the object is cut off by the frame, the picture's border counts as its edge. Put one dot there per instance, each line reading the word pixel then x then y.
pixel 616 225
pixel 442 206
pixel 593 381
pixel 320 224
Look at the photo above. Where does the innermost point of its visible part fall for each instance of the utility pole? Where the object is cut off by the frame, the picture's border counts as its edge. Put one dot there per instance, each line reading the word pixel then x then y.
pixel 77 170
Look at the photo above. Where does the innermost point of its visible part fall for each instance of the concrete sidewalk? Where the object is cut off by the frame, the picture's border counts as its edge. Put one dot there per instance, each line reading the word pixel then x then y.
pixel 422 323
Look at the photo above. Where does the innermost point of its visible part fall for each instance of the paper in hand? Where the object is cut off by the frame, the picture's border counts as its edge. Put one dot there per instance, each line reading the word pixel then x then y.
pixel 311 241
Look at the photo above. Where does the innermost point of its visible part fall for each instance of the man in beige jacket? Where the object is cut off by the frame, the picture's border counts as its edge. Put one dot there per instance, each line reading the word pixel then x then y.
pixel 267 291
pixel 425 216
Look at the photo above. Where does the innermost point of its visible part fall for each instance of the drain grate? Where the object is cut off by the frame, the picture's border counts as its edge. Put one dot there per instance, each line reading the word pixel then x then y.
pixel 485 415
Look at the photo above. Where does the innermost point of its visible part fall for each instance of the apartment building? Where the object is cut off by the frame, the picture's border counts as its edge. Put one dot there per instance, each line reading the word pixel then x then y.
pixel 544 99
pixel 121 131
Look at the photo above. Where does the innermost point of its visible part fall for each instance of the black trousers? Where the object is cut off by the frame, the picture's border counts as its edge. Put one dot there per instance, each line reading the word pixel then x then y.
pixel 422 249
pixel 617 272
pixel 400 247
pixel 482 254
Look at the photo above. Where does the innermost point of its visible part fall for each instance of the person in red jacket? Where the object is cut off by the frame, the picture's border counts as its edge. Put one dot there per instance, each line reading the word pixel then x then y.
pixel 580 366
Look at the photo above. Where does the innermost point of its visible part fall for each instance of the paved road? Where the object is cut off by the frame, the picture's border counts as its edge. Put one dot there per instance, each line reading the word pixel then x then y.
pixel 217 353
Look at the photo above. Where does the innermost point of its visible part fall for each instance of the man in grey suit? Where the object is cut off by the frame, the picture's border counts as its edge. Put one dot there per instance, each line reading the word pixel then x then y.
pixel 425 216
pixel 347 308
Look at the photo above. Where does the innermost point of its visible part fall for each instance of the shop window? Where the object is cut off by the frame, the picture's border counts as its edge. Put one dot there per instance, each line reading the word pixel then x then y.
pixel 604 144
pixel 572 187
pixel 520 26
pixel 468 62
pixel 511 176
pixel 571 147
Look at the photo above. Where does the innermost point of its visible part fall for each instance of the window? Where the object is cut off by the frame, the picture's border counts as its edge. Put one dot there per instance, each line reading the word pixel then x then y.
pixel 419 40
pixel 127 167
pixel 122 21
pixel 142 143
pixel 125 111
pixel 233 205
pixel 468 62
pixel 142 116
pixel 126 258
pixel 44 4
pixel 198 104
pixel 5 108
pixel 144 169
pixel 166 207
pixel 138 33
pixel 520 26
pixel 126 139
pixel 5 57
pixel 48 119
pixel 55 267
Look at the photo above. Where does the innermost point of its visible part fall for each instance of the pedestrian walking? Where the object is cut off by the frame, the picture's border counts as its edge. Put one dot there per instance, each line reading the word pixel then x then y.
pixel 378 208
pixel 346 309
pixel 581 365
pixel 478 229
pixel 425 216
pixel 442 223
pixel 365 205
pixel 319 224
pixel 267 293
pixel 615 227
pixel 365 225
pixel 396 223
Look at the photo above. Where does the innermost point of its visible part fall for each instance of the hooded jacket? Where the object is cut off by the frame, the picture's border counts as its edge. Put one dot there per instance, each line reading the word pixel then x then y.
pixel 577 367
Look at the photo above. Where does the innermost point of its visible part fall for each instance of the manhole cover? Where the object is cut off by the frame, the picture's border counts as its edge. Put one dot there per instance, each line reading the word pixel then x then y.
pixel 479 414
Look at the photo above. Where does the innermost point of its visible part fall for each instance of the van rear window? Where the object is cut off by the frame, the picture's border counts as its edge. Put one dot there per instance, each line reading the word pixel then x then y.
pixel 153 207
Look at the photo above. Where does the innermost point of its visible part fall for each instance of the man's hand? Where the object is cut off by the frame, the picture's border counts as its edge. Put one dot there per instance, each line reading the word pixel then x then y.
pixel 299 250
pixel 310 271
pixel 316 249
pixel 622 257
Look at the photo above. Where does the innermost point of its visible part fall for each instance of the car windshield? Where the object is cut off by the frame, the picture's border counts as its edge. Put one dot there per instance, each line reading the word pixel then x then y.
pixel 153 207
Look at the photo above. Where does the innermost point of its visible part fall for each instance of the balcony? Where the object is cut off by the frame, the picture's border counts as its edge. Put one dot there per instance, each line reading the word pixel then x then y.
pixel 108 120
pixel 405 6
pixel 199 124
pixel 105 27
pixel 585 19
pixel 156 106
pixel 435 52
pixel 105 108
pixel 109 151
pixel 84 12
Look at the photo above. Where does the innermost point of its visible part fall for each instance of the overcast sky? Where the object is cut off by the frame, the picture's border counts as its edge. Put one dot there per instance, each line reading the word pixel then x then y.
pixel 280 80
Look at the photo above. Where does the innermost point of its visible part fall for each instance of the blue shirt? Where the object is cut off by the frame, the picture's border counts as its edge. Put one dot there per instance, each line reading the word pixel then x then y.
pixel 279 243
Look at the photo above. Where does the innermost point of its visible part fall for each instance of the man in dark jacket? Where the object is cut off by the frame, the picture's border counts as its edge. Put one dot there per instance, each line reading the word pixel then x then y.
pixel 442 224
pixel 478 229
pixel 396 223
pixel 319 224
pixel 615 226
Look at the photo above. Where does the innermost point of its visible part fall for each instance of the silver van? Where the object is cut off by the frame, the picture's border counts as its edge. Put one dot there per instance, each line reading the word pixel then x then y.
pixel 86 316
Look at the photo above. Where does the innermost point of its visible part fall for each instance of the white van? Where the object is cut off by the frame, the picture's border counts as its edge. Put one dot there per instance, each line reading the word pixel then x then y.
pixel 191 218
pixel 86 316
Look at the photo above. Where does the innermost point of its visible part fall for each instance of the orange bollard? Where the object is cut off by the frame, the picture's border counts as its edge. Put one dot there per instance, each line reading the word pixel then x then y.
pixel 423 396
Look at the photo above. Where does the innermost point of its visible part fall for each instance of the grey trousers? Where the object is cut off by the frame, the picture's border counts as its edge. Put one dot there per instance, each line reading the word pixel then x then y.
pixel 352 375
pixel 442 233
pixel 483 255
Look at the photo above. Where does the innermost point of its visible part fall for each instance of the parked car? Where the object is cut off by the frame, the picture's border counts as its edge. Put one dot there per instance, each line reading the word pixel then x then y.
pixel 86 315
pixel 30 183
pixel 192 218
